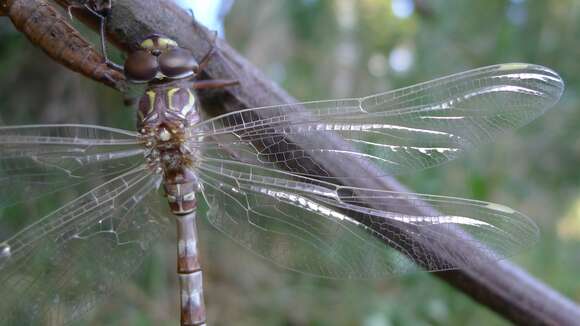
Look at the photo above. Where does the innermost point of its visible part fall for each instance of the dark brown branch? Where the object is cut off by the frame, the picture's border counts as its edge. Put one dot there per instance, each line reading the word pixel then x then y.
pixel 502 287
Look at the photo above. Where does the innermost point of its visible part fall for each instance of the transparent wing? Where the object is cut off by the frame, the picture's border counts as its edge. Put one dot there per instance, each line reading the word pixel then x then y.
pixel 56 269
pixel 402 131
pixel 340 232
pixel 38 160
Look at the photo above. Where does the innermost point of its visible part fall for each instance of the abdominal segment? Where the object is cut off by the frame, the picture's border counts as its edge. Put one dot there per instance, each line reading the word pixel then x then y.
pixel 180 186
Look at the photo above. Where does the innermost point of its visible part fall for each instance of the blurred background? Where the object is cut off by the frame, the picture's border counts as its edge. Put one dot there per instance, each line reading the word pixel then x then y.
pixel 321 49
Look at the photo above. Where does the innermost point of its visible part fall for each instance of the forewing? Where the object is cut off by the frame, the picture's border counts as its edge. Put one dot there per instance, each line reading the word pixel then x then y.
pixel 401 131
pixel 39 160
pixel 56 269
pixel 341 232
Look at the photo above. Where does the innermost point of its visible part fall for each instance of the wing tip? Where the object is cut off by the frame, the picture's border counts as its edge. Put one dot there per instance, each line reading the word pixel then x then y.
pixel 552 83
pixel 522 232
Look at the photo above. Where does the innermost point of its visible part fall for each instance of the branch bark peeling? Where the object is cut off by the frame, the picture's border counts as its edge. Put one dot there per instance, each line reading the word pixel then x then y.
pixel 503 287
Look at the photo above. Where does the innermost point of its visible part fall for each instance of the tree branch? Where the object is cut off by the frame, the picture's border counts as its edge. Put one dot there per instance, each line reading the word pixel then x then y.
pixel 501 286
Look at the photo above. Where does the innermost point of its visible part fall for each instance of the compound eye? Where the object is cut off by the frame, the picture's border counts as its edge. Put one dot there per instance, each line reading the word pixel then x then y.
pixel 177 63
pixel 141 66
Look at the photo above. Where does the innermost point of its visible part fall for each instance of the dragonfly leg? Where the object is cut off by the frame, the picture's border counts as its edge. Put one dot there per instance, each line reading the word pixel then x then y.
pixel 101 10
pixel 72 6
pixel 214 83
pixel 192 15
pixel 206 58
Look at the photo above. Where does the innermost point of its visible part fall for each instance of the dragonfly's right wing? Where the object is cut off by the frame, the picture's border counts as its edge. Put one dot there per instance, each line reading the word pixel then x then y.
pixel 400 131
pixel 333 231
pixel 56 269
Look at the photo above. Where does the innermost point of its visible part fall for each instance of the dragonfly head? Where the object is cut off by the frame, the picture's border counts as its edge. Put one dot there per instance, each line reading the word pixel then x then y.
pixel 158 57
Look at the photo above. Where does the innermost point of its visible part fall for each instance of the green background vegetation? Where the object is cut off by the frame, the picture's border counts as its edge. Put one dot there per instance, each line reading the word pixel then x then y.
pixel 330 49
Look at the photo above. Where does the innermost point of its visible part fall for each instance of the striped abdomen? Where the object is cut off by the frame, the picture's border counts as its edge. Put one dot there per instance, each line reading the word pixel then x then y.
pixel 189 271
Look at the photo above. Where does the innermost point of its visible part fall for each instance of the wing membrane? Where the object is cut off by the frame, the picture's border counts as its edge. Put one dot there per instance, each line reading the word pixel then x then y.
pixel 341 232
pixel 54 270
pixel 402 131
pixel 37 160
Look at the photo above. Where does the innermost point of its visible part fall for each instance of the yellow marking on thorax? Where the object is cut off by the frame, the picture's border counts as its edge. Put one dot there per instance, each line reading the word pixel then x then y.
pixel 152 95
pixel 185 109
pixel 191 102
pixel 170 94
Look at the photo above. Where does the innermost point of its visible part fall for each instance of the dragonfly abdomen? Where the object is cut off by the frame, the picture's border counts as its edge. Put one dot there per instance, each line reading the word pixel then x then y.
pixel 180 186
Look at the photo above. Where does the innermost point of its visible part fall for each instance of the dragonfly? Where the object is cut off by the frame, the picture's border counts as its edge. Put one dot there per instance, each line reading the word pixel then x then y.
pixel 261 189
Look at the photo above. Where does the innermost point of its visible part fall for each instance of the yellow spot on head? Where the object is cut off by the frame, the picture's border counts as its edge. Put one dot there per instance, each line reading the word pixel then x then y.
pixel 157 43
pixel 148 44
pixel 166 43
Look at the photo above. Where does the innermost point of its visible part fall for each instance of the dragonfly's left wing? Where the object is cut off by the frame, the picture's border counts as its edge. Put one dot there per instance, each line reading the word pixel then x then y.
pixel 56 269
pixel 401 131
pixel 341 232
pixel 40 160
pixel 55 265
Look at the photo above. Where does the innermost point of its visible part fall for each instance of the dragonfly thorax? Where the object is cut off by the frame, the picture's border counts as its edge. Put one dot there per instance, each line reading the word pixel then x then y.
pixel 172 104
pixel 165 113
